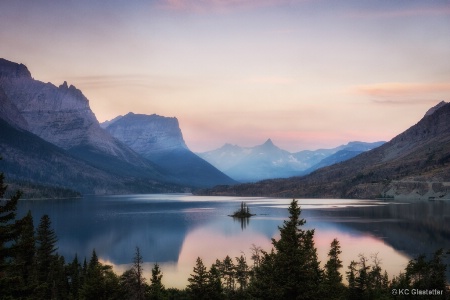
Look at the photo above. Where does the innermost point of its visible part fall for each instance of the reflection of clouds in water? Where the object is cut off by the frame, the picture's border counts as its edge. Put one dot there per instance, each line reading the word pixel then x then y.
pixel 352 245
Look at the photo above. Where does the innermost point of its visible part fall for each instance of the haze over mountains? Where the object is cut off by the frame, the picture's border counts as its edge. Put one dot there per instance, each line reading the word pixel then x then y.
pixel 414 164
pixel 50 136
pixel 249 164
pixel 159 139
pixel 51 140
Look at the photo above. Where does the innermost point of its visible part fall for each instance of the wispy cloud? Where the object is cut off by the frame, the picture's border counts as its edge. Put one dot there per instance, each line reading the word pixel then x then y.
pixel 218 5
pixel 403 93
pixel 143 81
pixel 443 10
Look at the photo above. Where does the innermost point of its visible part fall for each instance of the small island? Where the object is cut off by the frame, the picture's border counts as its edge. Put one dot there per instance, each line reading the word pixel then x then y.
pixel 243 212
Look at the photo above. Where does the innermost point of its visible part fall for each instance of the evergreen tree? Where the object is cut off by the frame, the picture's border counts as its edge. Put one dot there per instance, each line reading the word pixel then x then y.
pixel 423 274
pixel 74 273
pixel 9 232
pixel 351 278
pixel 198 282
pixel 294 267
pixel 138 273
pixel 242 272
pixel 45 256
pixel 100 281
pixel 215 288
pixel 24 261
pixel 157 289
pixel 332 287
pixel 227 269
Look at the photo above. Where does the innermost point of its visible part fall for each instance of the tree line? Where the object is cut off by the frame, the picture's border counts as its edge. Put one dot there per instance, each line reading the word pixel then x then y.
pixel 31 268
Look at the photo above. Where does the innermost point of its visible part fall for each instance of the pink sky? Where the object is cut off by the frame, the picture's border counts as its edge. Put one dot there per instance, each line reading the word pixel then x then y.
pixel 307 74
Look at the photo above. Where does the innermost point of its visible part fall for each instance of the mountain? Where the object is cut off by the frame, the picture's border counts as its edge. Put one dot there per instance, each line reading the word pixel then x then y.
pixel 345 152
pixel 414 164
pixel 159 139
pixel 41 169
pixel 45 115
pixel 268 161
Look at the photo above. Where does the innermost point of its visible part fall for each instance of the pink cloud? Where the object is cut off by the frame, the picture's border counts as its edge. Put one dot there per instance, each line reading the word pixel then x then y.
pixel 403 93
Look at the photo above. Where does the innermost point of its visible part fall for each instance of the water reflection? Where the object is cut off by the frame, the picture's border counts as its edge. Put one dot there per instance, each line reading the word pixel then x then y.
pixel 243 221
pixel 173 230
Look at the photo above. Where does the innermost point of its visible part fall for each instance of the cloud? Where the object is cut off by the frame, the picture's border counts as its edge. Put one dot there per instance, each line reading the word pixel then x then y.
pixel 201 6
pixel 143 81
pixel 403 93
pixel 443 10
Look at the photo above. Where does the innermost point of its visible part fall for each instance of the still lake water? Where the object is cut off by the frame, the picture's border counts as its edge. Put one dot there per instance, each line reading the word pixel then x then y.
pixel 174 229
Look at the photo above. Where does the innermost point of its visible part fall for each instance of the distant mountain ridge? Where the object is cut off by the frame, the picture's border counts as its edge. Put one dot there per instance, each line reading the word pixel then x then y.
pixel 160 140
pixel 267 161
pixel 414 165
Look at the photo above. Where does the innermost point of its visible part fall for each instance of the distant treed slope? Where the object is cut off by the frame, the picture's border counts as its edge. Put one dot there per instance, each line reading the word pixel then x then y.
pixel 160 140
pixel 28 158
pixel 415 164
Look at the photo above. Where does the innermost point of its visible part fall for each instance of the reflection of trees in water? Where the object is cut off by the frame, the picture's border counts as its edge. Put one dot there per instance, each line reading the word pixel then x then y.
pixel 413 228
pixel 244 222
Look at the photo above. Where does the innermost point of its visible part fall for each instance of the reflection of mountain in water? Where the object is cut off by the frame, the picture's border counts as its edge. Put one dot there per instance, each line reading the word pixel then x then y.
pixel 114 229
pixel 414 228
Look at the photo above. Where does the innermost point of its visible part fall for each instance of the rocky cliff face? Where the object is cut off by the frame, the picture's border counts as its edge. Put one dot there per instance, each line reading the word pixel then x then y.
pixel 159 139
pixel 148 135
pixel 60 115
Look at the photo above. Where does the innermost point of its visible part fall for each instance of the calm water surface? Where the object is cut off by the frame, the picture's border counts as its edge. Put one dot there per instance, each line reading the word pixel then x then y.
pixel 174 229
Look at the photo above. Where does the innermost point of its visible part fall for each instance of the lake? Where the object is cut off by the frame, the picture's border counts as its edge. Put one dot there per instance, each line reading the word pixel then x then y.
pixel 174 229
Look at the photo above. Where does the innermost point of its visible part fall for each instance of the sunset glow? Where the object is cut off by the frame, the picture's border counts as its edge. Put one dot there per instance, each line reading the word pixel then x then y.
pixel 307 74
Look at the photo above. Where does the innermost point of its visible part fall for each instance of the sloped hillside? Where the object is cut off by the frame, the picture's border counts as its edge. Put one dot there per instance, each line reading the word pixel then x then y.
pixel 414 164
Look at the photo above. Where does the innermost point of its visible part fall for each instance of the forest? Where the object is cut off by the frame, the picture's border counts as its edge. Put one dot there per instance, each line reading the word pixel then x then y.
pixel 31 268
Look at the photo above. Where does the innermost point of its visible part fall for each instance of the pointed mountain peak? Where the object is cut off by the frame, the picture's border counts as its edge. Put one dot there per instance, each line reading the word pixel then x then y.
pixel 434 108
pixel 64 85
pixel 268 143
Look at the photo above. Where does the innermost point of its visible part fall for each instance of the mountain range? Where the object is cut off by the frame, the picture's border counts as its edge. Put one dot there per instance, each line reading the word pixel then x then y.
pixel 414 164
pixel 250 164
pixel 50 137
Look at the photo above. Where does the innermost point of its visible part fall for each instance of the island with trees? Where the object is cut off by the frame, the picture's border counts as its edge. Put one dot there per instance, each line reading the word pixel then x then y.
pixel 243 212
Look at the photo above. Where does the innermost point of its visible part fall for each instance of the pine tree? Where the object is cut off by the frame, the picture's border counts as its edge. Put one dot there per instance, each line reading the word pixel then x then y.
pixel 9 231
pixel 74 273
pixel 45 257
pixel 24 261
pixel 138 273
pixel 297 270
pixel 332 284
pixel 242 272
pixel 215 288
pixel 100 282
pixel 227 269
pixel 198 282
pixel 351 278
pixel 157 289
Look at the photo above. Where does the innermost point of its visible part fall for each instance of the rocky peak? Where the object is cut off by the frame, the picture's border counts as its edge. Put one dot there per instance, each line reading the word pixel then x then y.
pixel 10 69
pixel 148 134
pixel 60 115
pixel 434 108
